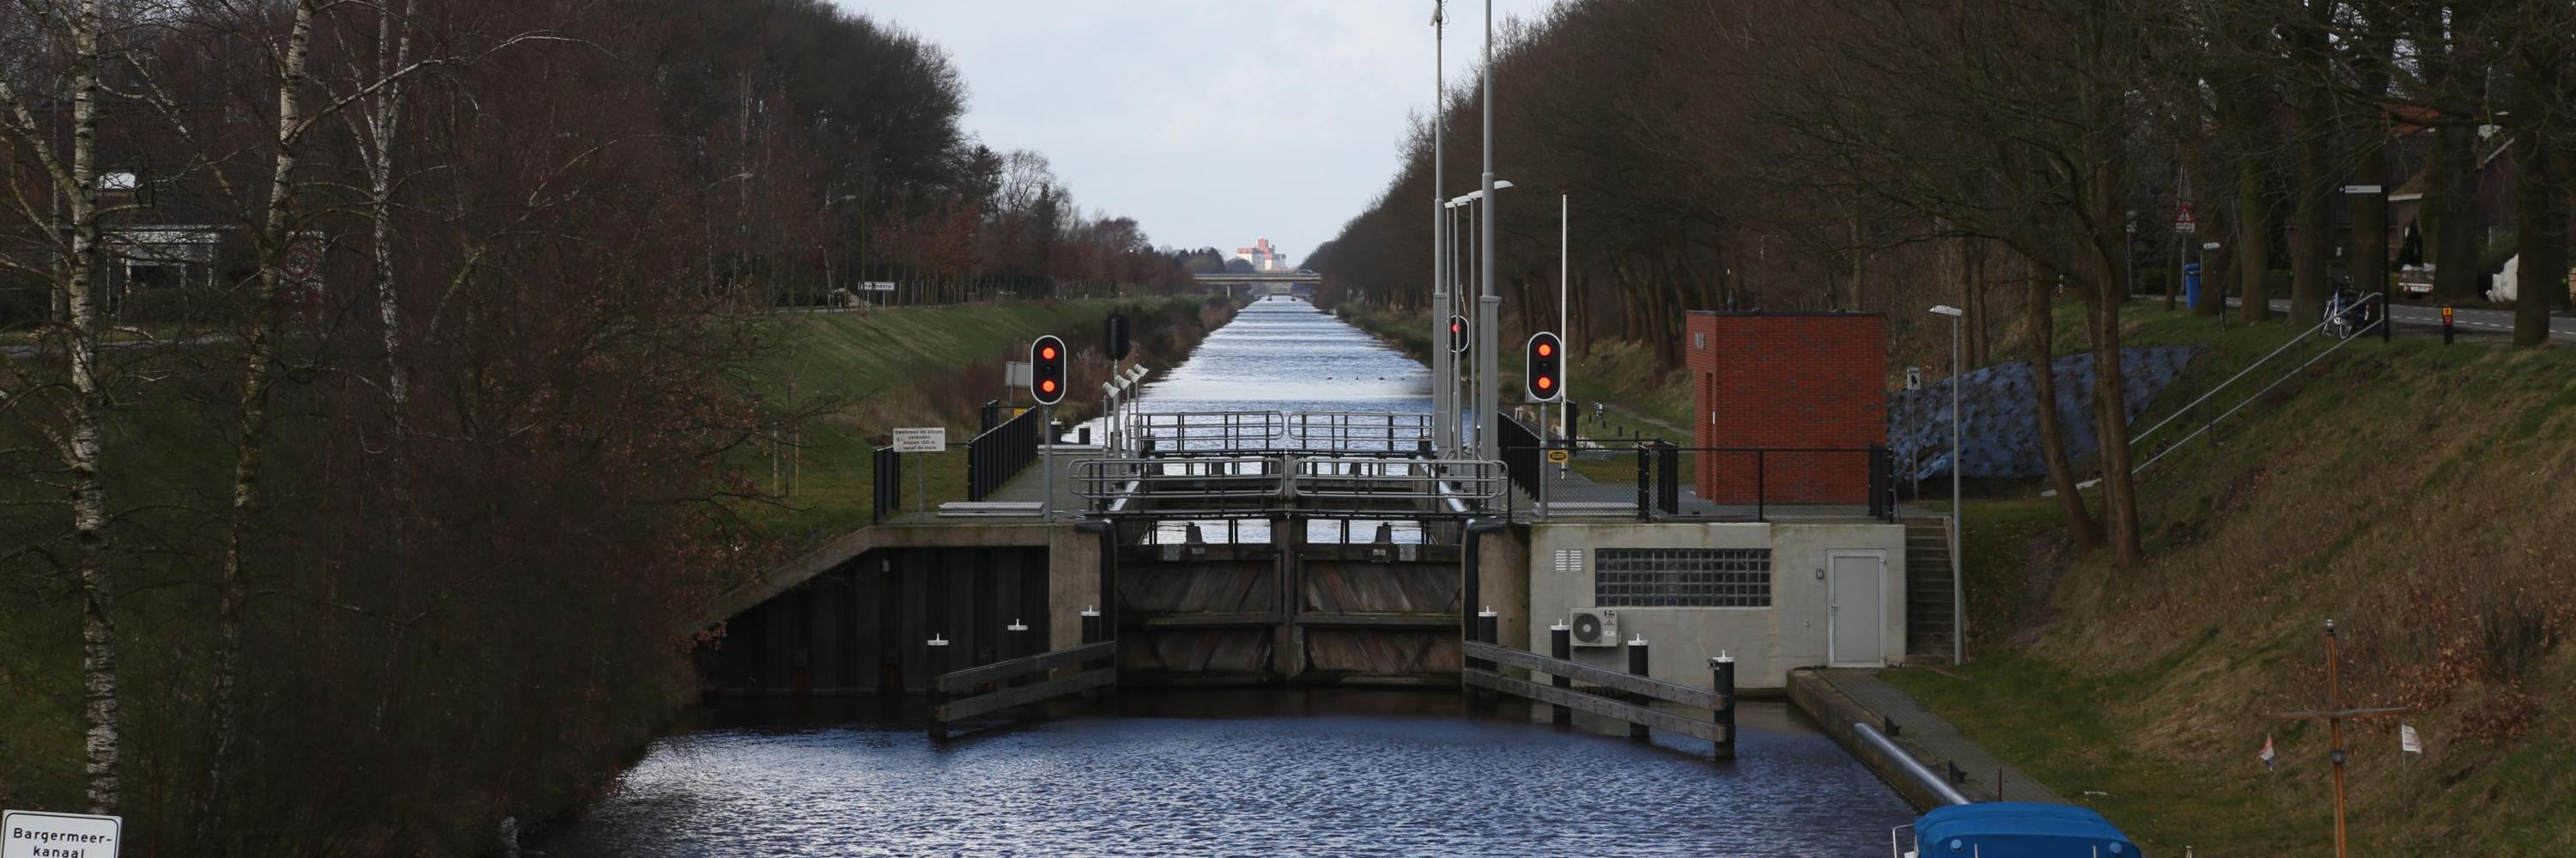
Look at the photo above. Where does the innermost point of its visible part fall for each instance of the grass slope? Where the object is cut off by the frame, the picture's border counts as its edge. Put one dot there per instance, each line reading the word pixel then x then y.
pixel 2417 494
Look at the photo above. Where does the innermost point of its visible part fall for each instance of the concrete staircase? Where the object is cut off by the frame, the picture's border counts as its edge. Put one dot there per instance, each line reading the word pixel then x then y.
pixel 1928 626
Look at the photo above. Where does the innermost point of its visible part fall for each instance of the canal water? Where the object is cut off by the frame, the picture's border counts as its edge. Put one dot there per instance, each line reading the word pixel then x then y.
pixel 1237 771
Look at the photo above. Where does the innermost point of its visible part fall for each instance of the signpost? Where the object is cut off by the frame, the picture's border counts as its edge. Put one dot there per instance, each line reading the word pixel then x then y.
pixel 921 439
pixel 36 834
pixel 2334 715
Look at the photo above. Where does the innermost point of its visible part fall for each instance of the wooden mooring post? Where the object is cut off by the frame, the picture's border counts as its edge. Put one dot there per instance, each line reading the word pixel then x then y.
pixel 937 659
pixel 1639 665
pixel 1626 695
pixel 1560 645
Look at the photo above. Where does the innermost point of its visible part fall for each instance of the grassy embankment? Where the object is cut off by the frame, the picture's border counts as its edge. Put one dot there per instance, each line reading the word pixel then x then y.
pixel 2416 494
pixel 927 366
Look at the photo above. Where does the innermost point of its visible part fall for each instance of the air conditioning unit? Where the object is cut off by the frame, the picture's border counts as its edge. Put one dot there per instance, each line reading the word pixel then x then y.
pixel 1595 627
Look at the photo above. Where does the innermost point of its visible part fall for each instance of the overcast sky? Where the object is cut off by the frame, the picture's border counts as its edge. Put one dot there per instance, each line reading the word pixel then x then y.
pixel 1209 123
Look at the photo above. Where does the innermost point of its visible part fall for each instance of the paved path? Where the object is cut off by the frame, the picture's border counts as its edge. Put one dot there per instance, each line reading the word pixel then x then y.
pixel 2426 315
pixel 1934 740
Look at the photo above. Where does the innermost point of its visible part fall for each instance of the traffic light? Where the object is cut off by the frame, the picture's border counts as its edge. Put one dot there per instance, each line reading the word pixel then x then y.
pixel 1046 370
pixel 1114 333
pixel 1546 368
pixel 1458 334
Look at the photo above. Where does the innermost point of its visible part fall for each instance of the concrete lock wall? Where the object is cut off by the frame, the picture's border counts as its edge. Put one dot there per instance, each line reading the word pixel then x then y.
pixel 1766 642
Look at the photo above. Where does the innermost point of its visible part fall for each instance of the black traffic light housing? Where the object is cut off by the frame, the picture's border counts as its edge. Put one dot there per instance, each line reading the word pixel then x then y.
pixel 1458 334
pixel 1113 329
pixel 1046 370
pixel 1545 377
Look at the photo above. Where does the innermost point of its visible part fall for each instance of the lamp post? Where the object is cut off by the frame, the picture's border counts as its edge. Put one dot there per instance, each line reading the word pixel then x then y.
pixel 1488 304
pixel 1958 594
pixel 1443 361
pixel 1486 379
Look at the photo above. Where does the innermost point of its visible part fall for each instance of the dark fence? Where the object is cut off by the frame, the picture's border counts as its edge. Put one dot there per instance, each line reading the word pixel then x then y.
pixel 1728 478
pixel 996 456
pixel 888 489
pixel 1797 476
pixel 1522 453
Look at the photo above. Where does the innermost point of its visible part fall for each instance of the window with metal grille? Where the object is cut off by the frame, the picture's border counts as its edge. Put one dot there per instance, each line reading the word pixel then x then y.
pixel 1681 577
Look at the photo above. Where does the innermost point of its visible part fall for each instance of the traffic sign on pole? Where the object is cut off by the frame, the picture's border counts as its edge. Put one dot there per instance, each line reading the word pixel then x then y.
pixel 36 834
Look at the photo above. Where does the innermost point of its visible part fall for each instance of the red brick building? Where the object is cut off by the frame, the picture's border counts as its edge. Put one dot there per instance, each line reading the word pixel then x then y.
pixel 1782 382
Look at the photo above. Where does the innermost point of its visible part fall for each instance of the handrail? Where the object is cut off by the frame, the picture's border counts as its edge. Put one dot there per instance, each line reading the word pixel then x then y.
pixel 1340 428
pixel 1229 428
pixel 1394 479
pixel 2249 368
pixel 1198 478
pixel 2258 395
pixel 1913 769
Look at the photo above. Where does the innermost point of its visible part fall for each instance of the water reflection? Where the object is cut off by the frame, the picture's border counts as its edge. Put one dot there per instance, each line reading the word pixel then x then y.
pixel 1234 772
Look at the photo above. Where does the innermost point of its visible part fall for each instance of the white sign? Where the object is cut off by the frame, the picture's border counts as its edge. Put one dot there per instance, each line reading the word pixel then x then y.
pixel 34 834
pixel 1015 373
pixel 1914 378
pixel 921 439
pixel 2407 740
pixel 2361 189
pixel 2210 246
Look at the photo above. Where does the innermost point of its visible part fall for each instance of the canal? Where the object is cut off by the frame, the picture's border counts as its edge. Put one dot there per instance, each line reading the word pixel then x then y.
pixel 1339 771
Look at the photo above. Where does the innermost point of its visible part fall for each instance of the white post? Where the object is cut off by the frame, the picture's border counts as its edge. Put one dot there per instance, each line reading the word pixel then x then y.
pixel 1565 339
pixel 1958 591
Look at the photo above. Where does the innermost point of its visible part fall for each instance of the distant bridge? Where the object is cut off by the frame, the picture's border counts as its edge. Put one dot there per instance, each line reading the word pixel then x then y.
pixel 1299 283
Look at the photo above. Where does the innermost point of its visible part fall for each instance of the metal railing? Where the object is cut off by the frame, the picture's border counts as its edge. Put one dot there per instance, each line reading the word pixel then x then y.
pixel 1350 430
pixel 887 492
pixel 1185 432
pixel 2361 308
pixel 1759 477
pixel 999 454
pixel 1212 484
pixel 1394 479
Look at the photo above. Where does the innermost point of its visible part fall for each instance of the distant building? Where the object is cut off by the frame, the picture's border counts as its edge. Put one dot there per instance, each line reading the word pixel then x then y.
pixel 1262 256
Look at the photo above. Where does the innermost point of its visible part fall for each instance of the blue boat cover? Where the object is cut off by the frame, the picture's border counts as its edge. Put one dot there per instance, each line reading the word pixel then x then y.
pixel 2019 829
pixel 1999 413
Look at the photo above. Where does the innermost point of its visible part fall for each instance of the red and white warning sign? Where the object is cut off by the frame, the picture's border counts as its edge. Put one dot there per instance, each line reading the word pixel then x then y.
pixel 2183 222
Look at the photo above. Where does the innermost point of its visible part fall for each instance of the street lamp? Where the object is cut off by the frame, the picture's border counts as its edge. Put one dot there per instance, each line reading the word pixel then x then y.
pixel 1958 595
pixel 1443 362
pixel 1483 406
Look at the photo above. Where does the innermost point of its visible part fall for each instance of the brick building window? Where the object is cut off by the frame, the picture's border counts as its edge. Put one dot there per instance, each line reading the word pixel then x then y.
pixel 1681 577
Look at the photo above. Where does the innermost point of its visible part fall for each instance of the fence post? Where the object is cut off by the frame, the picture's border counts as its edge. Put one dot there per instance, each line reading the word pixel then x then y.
pixel 1637 665
pixel 1560 645
pixel 1722 679
pixel 936 659
pixel 1761 489
pixel 1644 505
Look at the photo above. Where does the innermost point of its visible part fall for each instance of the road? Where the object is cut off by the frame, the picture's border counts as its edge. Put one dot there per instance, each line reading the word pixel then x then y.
pixel 2429 317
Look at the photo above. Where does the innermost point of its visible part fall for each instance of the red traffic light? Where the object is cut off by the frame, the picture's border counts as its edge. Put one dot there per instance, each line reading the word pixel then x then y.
pixel 1046 370
pixel 1545 349
pixel 1545 367
pixel 1546 383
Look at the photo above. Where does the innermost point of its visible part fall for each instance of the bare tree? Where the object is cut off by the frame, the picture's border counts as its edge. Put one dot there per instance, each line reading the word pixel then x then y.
pixel 77 29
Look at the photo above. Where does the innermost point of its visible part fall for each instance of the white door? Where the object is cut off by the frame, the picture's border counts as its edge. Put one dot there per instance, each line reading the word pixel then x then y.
pixel 1856 610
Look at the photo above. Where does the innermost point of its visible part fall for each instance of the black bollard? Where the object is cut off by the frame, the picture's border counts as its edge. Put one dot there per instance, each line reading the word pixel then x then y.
pixel 1092 628
pixel 1014 645
pixel 1560 645
pixel 936 659
pixel 1637 665
pixel 1722 679
pixel 1486 624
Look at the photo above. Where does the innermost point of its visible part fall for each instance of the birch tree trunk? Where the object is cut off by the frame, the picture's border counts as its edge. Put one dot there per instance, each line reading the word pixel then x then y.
pixel 257 375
